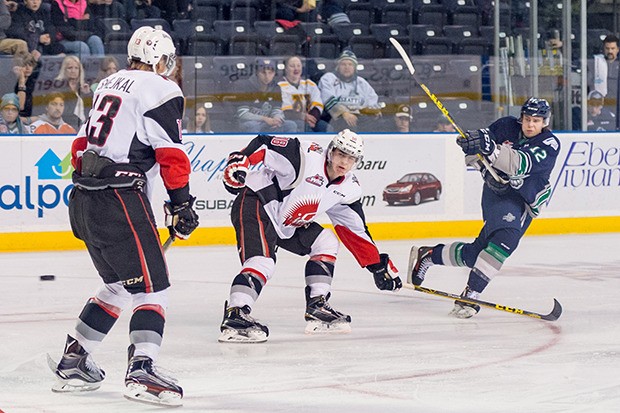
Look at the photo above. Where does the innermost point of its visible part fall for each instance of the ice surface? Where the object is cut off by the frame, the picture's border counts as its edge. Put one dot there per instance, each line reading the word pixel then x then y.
pixel 404 354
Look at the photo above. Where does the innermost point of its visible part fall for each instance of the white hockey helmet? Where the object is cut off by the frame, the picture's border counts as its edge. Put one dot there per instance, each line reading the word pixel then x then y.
pixel 149 45
pixel 348 142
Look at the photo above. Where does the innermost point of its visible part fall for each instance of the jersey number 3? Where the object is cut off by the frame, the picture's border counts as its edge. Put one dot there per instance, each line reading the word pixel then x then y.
pixel 106 110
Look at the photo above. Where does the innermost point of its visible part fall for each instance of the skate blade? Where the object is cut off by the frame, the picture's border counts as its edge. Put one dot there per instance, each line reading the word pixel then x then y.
pixel 68 386
pixel 139 392
pixel 233 336
pixel 73 386
pixel 319 327
pixel 413 257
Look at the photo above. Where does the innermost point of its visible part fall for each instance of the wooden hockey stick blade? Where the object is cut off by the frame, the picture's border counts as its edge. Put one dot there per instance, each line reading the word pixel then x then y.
pixel 552 316
pixel 401 51
pixel 168 243
pixel 403 54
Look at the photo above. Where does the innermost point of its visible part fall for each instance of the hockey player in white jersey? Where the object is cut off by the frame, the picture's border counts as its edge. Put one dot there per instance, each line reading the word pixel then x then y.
pixel 276 206
pixel 132 134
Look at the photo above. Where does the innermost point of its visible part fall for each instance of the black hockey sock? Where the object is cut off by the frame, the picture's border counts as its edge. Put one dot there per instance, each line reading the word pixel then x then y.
pixel 436 254
pixel 146 329
pixel 320 270
pixel 477 281
pixel 95 322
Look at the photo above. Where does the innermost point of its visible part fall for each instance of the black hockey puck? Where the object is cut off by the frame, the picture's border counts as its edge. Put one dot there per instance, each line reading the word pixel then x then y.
pixel 47 277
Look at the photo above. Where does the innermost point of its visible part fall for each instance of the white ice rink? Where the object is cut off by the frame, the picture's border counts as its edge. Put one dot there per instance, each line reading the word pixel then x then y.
pixel 405 354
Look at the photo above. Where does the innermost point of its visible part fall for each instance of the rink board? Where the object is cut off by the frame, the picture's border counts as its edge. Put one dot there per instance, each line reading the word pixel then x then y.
pixel 35 184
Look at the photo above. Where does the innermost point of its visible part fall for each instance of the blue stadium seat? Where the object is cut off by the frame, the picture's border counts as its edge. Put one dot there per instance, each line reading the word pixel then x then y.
pixel 161 24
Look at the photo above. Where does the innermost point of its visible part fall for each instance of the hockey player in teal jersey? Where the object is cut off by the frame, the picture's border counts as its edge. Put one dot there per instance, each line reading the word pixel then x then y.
pixel 523 151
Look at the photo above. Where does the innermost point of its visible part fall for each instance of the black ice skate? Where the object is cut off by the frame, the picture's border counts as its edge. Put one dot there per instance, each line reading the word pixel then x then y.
pixel 76 370
pixel 238 326
pixel 419 263
pixel 322 318
pixel 466 310
pixel 145 384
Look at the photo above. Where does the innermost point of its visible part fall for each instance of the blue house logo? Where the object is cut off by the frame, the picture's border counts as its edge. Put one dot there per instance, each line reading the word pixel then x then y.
pixel 36 194
pixel 50 166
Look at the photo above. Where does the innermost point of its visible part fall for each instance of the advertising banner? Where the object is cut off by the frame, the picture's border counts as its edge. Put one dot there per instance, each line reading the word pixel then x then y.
pixel 405 178
pixel 585 181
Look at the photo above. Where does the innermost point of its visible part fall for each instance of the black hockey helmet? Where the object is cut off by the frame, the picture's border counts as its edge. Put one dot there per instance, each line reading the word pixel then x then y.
pixel 537 107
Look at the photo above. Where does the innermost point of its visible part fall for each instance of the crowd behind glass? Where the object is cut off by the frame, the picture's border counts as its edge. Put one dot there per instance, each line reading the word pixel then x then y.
pixel 337 69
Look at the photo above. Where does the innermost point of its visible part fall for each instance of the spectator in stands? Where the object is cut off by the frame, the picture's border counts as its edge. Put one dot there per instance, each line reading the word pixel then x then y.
pixel 603 74
pixel 34 25
pixel 9 45
pixel 333 12
pixel 294 9
pixel 201 123
pixel 402 119
pixel 301 98
pixel 76 31
pixel 263 112
pixel 51 122
pixel 108 66
pixel 74 90
pixel 600 118
pixel 444 125
pixel 9 109
pixel 349 99
pixel 11 5
pixel 141 9
pixel 26 70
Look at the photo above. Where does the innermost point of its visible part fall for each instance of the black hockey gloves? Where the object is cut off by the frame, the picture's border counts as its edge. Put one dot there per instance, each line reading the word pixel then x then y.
pixel 235 172
pixel 385 274
pixel 478 141
pixel 498 188
pixel 181 220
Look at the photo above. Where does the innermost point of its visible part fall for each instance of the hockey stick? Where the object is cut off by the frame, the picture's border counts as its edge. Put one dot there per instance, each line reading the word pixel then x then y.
pixel 552 316
pixel 168 243
pixel 440 106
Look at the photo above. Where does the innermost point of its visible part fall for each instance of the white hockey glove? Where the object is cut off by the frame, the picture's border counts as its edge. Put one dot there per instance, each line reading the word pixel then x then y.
pixel 235 172
pixel 181 220
pixel 385 274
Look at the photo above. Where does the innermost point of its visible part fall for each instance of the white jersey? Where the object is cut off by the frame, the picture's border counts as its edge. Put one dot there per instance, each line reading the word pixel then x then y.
pixel 294 189
pixel 136 118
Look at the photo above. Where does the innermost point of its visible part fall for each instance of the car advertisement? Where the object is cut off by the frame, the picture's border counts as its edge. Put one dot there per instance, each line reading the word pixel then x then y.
pixel 405 178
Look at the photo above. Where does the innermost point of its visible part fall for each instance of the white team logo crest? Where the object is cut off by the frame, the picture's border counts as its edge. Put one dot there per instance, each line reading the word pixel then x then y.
pixel 301 211
pixel 508 217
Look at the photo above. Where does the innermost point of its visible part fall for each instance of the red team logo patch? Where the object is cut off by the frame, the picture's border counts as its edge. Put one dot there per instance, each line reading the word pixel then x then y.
pixel 315 147
pixel 279 142
pixel 301 212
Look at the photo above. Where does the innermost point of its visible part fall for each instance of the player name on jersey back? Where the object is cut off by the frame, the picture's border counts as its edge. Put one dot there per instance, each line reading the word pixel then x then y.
pixel 116 83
